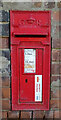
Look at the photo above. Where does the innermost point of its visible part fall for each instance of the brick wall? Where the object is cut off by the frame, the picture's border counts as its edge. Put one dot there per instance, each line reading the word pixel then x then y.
pixel 5 80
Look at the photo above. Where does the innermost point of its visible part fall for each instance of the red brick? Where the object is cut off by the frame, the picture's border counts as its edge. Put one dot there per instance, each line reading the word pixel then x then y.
pixel 56 114
pixel 37 4
pixel 6 93
pixel 55 92
pixel 5 105
pixel 1 104
pixel 60 56
pixel 59 92
pixel 0 115
pixel 55 55
pixel 54 104
pixel 13 114
pixel 26 114
pixel 49 5
pixel 55 68
pixel 60 34
pixel 59 4
pixel 60 69
pixel 59 15
pixel 59 114
pixel 4 114
pixel 0 82
pixel 55 31
pixel 5 81
pixel 4 43
pixel 60 80
pixel 0 93
pixel 55 43
pixel 49 114
pixel 59 104
pixel 55 15
pixel 54 78
pixel 38 114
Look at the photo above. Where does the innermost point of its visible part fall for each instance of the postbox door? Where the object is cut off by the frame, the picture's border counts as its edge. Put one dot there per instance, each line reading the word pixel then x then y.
pixel 31 69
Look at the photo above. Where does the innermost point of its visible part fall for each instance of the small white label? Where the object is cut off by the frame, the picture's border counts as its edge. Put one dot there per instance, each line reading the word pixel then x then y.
pixel 29 60
pixel 38 88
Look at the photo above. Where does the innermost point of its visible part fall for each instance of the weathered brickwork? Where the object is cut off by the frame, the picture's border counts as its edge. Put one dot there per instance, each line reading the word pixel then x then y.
pixel 5 71
pixel 13 114
pixel 4 43
pixel 5 29
pixel 49 5
pixel 4 16
pixel 26 114
pixel 59 4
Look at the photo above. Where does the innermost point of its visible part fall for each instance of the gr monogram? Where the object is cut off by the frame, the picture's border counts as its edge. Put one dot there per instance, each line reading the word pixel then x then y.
pixel 30 22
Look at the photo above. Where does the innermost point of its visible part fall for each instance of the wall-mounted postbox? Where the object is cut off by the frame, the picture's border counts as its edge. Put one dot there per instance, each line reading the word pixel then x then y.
pixel 30 59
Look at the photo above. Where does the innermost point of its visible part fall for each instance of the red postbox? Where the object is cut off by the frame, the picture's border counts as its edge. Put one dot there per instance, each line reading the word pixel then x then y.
pixel 30 59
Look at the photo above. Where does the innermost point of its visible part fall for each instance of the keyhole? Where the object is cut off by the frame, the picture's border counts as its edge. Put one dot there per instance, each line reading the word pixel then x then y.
pixel 26 80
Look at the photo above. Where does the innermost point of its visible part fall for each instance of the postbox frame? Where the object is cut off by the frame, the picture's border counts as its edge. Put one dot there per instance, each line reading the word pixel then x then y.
pixel 16 105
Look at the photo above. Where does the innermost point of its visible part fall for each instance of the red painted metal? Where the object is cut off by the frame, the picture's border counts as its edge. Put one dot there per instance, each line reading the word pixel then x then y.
pixel 30 30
